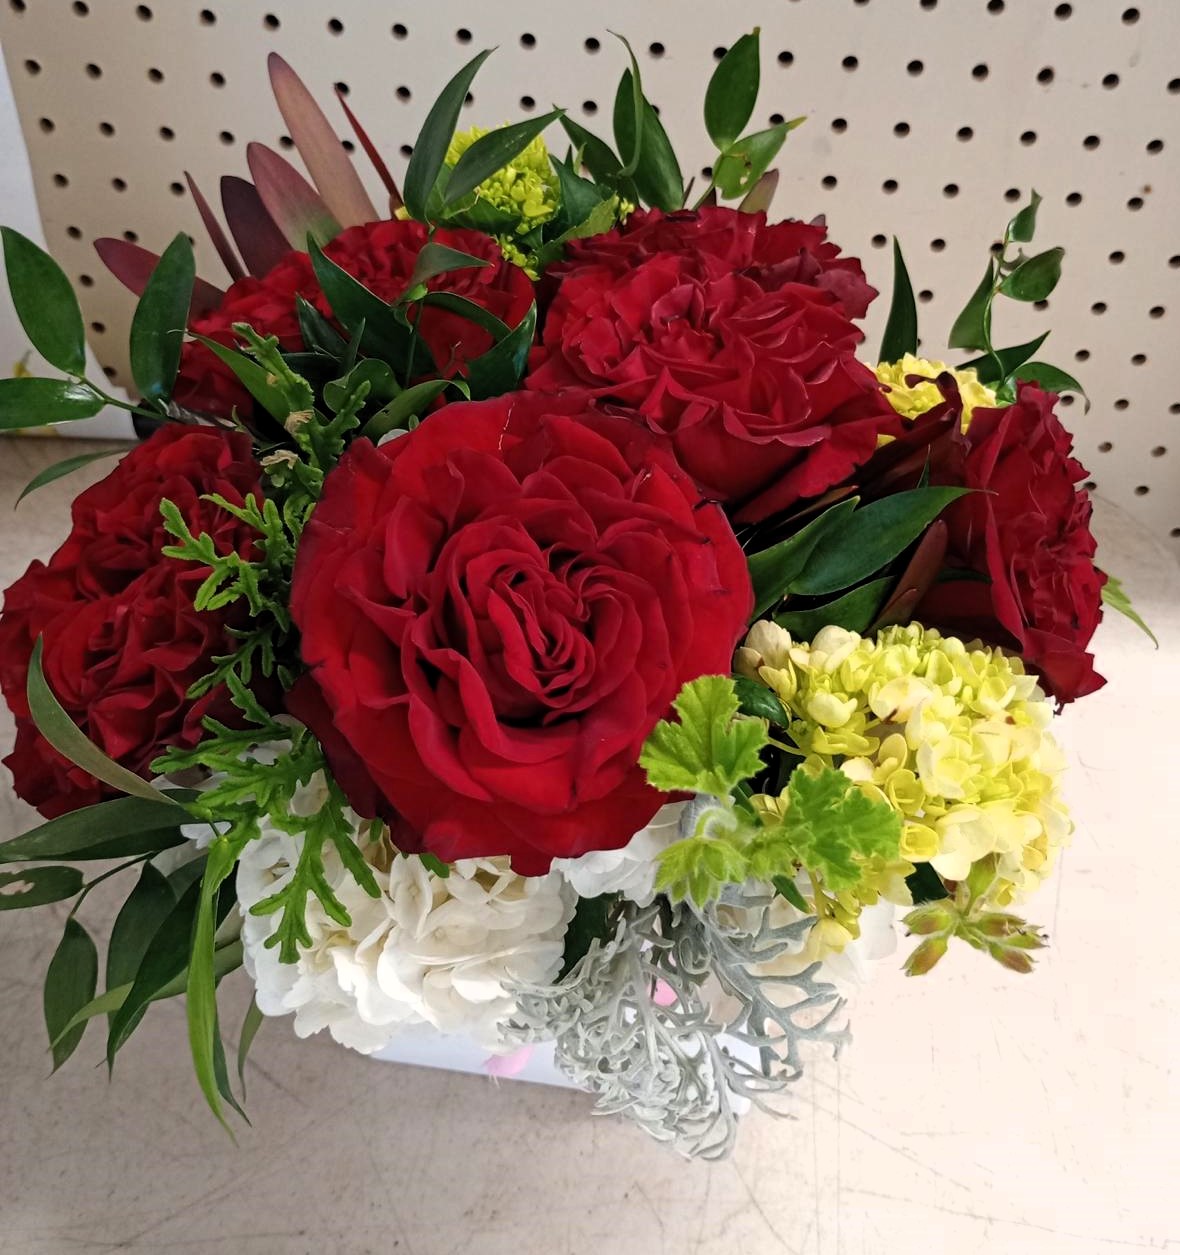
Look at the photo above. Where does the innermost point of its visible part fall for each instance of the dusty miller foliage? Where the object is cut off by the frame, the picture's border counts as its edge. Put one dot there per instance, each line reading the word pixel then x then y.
pixel 680 1071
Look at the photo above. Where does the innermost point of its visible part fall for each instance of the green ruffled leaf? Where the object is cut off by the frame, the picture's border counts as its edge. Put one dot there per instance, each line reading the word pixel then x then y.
pixel 711 749
pixel 430 148
pixel 159 321
pixel 30 402
pixel 1034 279
pixel 732 91
pixel 1115 596
pixel 70 983
pixel 972 328
pixel 901 331
pixel 45 303
pixel 38 886
pixel 120 828
pixel 60 469
pixel 492 152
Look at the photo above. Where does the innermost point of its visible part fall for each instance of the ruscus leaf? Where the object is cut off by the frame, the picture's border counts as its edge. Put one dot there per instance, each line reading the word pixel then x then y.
pixel 972 328
pixel 732 91
pixel 492 152
pixel 901 331
pixel 60 469
pixel 30 402
pixel 119 828
pixel 70 983
pixel 1024 225
pixel 1034 279
pixel 38 886
pixel 157 326
pixel 45 303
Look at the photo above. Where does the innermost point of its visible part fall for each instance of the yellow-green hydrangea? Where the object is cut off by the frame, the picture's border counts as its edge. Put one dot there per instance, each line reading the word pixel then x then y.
pixel 956 738
pixel 911 400
pixel 526 187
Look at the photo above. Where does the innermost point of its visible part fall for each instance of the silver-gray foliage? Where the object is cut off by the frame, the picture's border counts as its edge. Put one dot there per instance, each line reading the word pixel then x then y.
pixel 659 1053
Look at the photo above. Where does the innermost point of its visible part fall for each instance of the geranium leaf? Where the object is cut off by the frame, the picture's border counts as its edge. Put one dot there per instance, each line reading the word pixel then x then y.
pixel 732 91
pixel 901 331
pixel 60 469
pixel 45 303
pixel 492 152
pixel 67 738
pixel 430 148
pixel 711 749
pixel 157 326
pixel 119 828
pixel 37 886
pixel 70 983
pixel 1034 279
pixel 27 402
pixel 1115 596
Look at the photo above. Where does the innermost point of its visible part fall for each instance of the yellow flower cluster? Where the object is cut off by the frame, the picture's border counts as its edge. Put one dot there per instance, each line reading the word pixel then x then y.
pixel 911 400
pixel 955 738
pixel 526 187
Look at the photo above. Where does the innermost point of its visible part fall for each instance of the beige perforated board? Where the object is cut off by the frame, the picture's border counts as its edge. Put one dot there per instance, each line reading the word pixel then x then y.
pixel 930 119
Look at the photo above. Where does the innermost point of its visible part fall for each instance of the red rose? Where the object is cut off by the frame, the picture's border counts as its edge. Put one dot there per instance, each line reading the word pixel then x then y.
pixel 729 240
pixel 499 607
pixel 755 381
pixel 382 256
pixel 1027 530
pixel 122 642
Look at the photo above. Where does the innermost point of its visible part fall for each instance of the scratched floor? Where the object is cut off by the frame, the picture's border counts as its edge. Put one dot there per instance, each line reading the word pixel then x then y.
pixel 975 1112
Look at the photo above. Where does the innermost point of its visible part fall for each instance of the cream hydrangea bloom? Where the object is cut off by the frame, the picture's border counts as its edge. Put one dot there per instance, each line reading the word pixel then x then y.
pixel 429 950
pixel 911 400
pixel 630 870
pixel 955 738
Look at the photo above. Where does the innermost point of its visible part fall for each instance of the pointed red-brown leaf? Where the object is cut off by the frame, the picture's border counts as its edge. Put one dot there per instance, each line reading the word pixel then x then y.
pixel 229 259
pixel 329 165
pixel 915 581
pixel 296 207
pixel 133 265
pixel 395 196
pixel 758 198
pixel 260 242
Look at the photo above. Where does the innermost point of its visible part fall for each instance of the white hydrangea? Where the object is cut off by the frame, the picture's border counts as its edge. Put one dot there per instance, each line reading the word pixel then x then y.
pixel 630 870
pixel 443 952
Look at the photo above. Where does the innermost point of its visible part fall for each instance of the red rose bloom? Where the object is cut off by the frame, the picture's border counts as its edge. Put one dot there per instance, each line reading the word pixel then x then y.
pixel 499 607
pixel 122 642
pixel 751 375
pixel 382 256
pixel 1027 530
pixel 729 240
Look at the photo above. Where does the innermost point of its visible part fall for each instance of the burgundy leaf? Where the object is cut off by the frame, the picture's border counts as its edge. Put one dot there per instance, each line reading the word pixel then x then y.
pixel 260 242
pixel 331 170
pixel 758 198
pixel 229 259
pixel 296 207
pixel 133 266
pixel 915 581
pixel 395 196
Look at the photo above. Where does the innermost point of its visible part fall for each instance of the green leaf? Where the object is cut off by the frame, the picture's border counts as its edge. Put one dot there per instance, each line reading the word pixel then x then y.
pixel 374 323
pixel 435 865
pixel 578 197
pixel 158 324
pixel 1051 378
pixel 37 886
pixel 759 702
pixel 746 160
pixel 790 890
pixel 658 178
pixel 250 1026
pixel 874 535
pixel 145 909
pixel 60 469
pixel 995 366
pixel 70 983
pixel 430 148
pixel 698 867
pixel 499 370
pixel 901 331
pixel 497 328
pixel 437 259
pixel 732 91
pixel 371 370
pixel 403 407
pixel 1023 227
pixel 972 328
pixel 255 378
pixel 630 117
pixel 591 922
pixel 119 828
pixel 925 884
pixel 774 570
pixel 1035 278
pixel 165 958
pixel 831 827
pixel 711 749
pixel 492 152
pixel 855 611
pixel 597 156
pixel 30 402
pixel 67 738
pixel 1115 596
pixel 45 303
pixel 317 332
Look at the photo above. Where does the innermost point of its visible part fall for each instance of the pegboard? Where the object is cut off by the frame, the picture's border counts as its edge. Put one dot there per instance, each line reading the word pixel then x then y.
pixel 929 119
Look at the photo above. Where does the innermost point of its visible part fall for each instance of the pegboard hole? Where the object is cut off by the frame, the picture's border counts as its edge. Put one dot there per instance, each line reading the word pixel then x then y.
pixel 937 246
pixel 87 281
pixel 1122 404
pixel 1155 146
pixel 47 125
pixel 17 6
pixel 995 6
pixel 111 373
pixel 925 296
pixel 889 187
pixel 1138 359
pixel 1117 257
pixel 878 241
pixel 1068 399
pixel 1099 307
pixel 105 128
pixel 1174 260
pixel 407 150
pixel 75 233
pixel 1174 408
pixel 343 89
pixel 1105 447
pixel 285 141
pixel 120 185
pixel 399 30
pixel 1040 306
pixel 527 102
pixel 32 67
pixel 335 26
pixel 99 328
pixel 177 189
pixel 980 72
pixel 776 119
pixel 1135 203
pixel 60 180
pixel 839 125
pixel 1174 532
pixel 143 13
pixel 1013 193
pixel 226 137
pixel 1130 17
pixel 1063 11
pixel 1028 138
pixel 166 132
pixel 155 75
pixel 217 78
pixel 348 145
pixel 902 129
pixel 786 58
pixel 591 44
pixel 1082 355
pixel 1090 485
pixel 272 23
pixel 402 93
pixel 964 133
pixel 463 35
pixel 81 8
pixel 950 190
pixel 590 106
pixel 850 63
pixel 1045 75
pixel 914 68
pixel 1091 141
pixel 1156 311
pixel 208 17
pixel 828 181
pixel 528 40
pixel 719 52
pixel 1141 490
pixel 93 70
pixel 1174 86
pixel 132 237
pixel 1159 451
pixel 1074 198
pixel 656 49
pixel 1110 81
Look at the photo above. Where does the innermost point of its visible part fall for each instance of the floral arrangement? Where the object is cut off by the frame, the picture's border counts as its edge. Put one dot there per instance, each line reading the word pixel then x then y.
pixel 535 617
